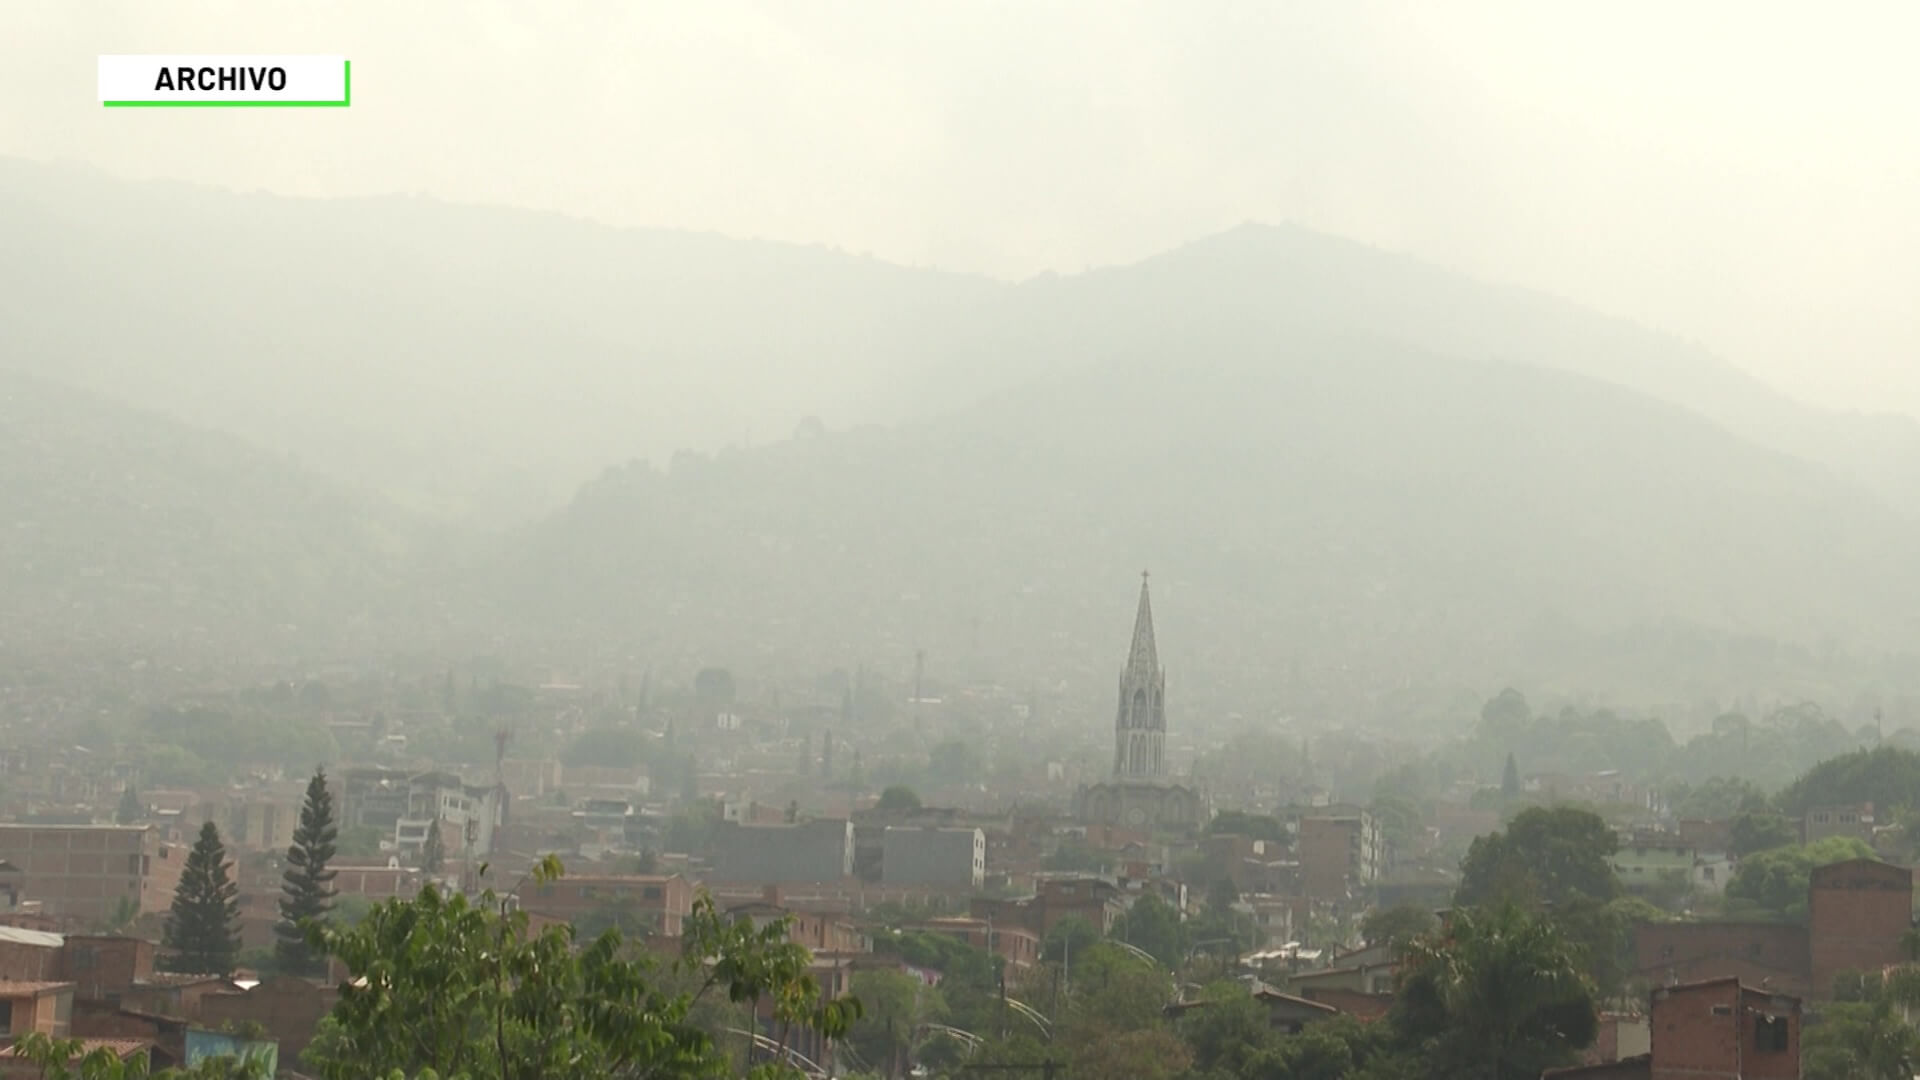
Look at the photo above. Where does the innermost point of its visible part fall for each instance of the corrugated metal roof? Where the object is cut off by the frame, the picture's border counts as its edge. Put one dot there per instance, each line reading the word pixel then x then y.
pixel 18 936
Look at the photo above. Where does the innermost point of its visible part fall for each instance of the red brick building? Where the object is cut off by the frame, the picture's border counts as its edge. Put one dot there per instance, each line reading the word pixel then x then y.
pixel 828 929
pixel 289 1009
pixel 84 872
pixel 1714 1030
pixel 1018 946
pixel 1858 912
pixel 29 955
pixel 1096 899
pixel 666 899
pixel 1686 952
pixel 105 966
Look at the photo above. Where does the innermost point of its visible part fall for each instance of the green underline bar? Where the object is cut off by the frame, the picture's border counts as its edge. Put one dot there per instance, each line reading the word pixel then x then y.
pixel 344 102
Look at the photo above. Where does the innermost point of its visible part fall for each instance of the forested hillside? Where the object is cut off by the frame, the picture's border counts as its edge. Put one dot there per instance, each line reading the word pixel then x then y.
pixel 1341 514
pixel 120 526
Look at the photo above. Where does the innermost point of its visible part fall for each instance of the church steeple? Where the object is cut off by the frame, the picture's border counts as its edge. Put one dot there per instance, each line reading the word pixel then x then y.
pixel 1142 657
pixel 1140 726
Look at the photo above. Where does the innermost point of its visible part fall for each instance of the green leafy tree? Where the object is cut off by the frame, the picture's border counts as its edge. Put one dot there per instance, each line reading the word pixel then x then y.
pixel 1231 1035
pixel 1721 797
pixel 448 988
pixel 1505 718
pixel 893 1006
pixel 1153 925
pixel 306 888
pixel 1546 854
pixel 1399 821
pixel 1398 926
pixel 1777 881
pixel 67 1059
pixel 1861 1040
pixel 433 853
pixel 1884 776
pixel 1069 939
pixel 900 798
pixel 1499 996
pixel 1759 830
pixel 359 840
pixel 203 927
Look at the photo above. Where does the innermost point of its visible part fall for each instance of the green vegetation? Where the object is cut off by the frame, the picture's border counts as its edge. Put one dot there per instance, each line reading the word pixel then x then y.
pixel 1546 855
pixel 203 928
pixel 1502 996
pixel 1864 1034
pixel 64 1059
pixel 1885 776
pixel 899 797
pixel 1397 927
pixel 433 853
pixel 1775 882
pixel 451 989
pixel 307 885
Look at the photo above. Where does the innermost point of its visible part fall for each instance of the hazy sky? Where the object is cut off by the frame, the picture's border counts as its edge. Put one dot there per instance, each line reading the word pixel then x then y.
pixel 1743 173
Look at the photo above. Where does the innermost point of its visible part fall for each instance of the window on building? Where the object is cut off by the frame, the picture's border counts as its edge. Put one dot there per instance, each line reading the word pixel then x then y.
pixel 1666 952
pixel 6 1017
pixel 1770 1034
pixel 651 892
pixel 1754 950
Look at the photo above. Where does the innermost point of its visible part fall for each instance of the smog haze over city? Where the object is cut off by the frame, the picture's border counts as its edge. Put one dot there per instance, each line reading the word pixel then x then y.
pixel 740 413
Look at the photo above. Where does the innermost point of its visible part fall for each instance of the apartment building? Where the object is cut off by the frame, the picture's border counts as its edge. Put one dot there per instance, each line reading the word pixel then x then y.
pixel 86 872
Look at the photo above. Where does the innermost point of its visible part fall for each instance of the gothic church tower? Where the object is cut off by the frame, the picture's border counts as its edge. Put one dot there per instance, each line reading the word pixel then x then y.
pixel 1140 728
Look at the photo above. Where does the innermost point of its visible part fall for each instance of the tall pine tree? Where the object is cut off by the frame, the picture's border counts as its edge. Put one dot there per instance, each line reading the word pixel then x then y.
pixel 433 853
pixel 131 809
pixel 306 889
pixel 203 929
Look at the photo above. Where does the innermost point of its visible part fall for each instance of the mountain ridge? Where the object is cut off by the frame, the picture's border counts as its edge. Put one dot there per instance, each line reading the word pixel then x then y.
pixel 481 362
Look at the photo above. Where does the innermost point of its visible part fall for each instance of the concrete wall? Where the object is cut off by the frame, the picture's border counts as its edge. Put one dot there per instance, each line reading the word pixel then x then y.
pixel 933 856
pixel 814 851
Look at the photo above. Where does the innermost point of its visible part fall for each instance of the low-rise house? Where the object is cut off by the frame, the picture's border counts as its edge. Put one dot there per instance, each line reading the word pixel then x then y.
pixel 44 1006
pixel 1645 869
pixel 930 855
pixel 1719 1029
pixel 663 901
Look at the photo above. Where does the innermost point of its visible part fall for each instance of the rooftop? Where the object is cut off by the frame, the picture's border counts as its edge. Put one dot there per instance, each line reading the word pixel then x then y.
pixel 11 988
pixel 18 936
